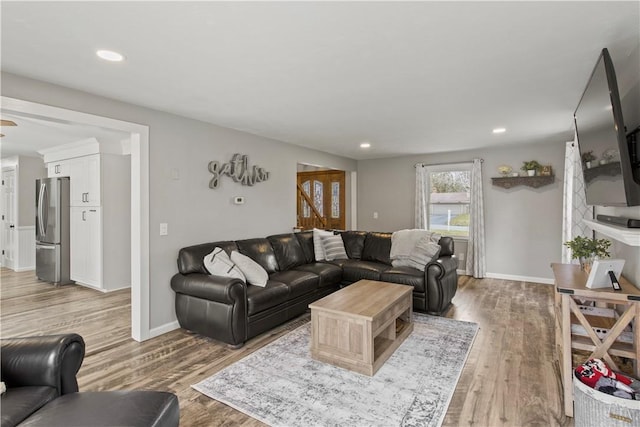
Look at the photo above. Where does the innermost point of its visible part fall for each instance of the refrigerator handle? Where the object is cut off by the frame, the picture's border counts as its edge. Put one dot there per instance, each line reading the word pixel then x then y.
pixel 40 209
pixel 44 209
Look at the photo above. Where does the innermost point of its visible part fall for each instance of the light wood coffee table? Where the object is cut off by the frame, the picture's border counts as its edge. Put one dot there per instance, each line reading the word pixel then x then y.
pixel 360 326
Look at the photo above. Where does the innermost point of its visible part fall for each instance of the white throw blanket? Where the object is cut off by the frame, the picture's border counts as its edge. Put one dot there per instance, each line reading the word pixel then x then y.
pixel 403 242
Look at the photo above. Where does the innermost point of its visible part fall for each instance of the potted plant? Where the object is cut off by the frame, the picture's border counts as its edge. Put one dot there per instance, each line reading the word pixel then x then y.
pixel 587 158
pixel 586 250
pixel 531 167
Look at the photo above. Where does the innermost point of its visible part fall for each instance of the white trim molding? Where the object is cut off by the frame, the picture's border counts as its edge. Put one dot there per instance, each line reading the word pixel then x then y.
pixel 163 329
pixel 25 248
pixel 543 280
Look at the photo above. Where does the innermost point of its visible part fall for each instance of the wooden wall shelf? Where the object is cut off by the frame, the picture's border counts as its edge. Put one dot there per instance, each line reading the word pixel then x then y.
pixel 529 181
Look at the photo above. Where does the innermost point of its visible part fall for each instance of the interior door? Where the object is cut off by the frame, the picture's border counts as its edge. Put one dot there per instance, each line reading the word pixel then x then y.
pixel 8 216
pixel 321 200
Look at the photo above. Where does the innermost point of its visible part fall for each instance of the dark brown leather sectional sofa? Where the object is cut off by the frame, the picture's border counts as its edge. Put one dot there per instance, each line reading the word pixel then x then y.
pixel 231 311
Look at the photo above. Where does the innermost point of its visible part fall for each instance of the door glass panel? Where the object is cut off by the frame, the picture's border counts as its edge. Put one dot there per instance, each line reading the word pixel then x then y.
pixel 306 209
pixel 318 188
pixel 335 200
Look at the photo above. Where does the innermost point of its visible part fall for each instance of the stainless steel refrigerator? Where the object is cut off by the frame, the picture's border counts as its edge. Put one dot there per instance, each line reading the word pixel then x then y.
pixel 52 230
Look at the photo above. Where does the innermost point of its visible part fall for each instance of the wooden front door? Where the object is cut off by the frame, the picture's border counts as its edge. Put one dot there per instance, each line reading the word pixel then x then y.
pixel 321 200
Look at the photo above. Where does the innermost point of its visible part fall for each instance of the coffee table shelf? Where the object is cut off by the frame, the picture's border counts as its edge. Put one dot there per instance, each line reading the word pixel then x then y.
pixel 360 326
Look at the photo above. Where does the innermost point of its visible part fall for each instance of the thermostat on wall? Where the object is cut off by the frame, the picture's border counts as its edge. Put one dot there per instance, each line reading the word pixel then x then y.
pixel 238 200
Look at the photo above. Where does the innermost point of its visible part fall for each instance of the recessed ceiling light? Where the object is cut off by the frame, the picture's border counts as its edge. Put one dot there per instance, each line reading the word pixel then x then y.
pixel 499 130
pixel 109 55
pixel 365 145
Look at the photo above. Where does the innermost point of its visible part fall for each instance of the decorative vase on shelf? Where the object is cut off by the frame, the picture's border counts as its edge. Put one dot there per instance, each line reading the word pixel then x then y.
pixel 531 172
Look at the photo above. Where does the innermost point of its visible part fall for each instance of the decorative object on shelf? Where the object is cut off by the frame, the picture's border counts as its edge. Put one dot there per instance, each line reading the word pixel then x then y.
pixel 531 167
pixel 529 181
pixel 238 169
pixel 586 250
pixel 545 170
pixel 610 155
pixel 588 157
pixel 505 170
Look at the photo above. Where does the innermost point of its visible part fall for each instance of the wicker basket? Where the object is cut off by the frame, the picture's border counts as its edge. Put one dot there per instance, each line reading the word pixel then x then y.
pixel 592 408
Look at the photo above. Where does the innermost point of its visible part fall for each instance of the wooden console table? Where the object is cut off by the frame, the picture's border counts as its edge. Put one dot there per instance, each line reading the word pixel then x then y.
pixel 570 283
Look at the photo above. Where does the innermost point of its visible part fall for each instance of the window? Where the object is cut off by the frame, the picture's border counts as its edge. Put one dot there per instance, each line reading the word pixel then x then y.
pixel 449 200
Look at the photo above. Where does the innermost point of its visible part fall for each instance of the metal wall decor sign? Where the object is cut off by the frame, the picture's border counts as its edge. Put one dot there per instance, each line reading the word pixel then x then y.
pixel 238 169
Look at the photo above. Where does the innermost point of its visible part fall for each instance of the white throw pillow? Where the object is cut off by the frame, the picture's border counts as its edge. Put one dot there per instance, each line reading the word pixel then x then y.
pixel 318 249
pixel 423 253
pixel 255 274
pixel 218 263
pixel 333 247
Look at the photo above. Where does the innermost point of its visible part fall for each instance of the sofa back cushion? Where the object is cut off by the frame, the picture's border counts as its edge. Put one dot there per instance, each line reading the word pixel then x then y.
pixel 288 251
pixel 305 238
pixel 261 251
pixel 191 258
pixel 377 247
pixel 446 246
pixel 354 243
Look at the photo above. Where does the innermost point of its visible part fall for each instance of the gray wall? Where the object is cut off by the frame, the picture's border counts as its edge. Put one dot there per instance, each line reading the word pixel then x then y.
pixel 29 169
pixel 194 212
pixel 523 225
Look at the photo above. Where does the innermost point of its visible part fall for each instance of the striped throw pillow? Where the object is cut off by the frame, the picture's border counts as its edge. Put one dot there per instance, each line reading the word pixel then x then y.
pixel 333 247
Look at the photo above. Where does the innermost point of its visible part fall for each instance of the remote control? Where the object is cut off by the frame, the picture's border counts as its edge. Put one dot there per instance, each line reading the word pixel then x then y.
pixel 614 282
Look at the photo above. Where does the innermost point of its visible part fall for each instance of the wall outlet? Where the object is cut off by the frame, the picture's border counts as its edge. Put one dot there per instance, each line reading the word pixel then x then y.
pixel 375 215
pixel 164 229
pixel 461 256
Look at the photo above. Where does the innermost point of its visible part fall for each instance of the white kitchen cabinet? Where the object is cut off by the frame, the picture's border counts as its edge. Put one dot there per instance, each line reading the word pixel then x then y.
pixel 85 174
pixel 86 246
pixel 57 169
pixel 100 202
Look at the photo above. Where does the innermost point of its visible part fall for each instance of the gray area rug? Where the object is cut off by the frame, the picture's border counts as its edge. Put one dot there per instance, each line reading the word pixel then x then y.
pixel 281 385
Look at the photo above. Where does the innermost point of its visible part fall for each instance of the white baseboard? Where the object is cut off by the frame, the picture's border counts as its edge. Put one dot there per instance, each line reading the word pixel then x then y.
pixel 542 280
pixel 163 329
pixel 21 269
pixel 514 277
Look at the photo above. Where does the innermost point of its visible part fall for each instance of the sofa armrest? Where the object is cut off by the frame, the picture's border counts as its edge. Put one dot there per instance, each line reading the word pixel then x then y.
pixel 51 360
pixel 226 290
pixel 441 283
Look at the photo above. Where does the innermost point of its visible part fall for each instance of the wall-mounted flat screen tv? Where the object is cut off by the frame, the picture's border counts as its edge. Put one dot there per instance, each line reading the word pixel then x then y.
pixel 611 171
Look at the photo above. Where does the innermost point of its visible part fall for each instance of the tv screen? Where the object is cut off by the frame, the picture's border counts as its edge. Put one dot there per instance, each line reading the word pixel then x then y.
pixel 606 163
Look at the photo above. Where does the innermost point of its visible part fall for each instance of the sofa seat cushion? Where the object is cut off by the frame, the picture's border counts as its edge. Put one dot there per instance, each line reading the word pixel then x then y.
pixel 260 299
pixel 298 282
pixel 20 402
pixel 405 276
pixel 110 408
pixel 354 270
pixel 330 274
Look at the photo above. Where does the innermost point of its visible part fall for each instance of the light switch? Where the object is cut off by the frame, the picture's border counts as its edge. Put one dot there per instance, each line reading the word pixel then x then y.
pixel 164 229
pixel 375 215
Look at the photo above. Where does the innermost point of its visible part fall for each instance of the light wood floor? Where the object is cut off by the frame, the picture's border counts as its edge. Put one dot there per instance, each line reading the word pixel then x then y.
pixel 511 377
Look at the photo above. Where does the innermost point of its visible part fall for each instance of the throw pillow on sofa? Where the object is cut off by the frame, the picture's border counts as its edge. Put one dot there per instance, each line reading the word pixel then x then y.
pixel 403 243
pixel 255 274
pixel 333 247
pixel 318 249
pixel 424 252
pixel 218 263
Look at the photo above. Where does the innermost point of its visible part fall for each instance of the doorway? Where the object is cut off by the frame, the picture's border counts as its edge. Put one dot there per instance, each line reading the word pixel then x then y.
pixel 139 151
pixel 321 199
pixel 8 216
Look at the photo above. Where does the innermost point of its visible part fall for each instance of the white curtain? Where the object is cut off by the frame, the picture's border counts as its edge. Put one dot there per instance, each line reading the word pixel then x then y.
pixel 422 198
pixel 574 202
pixel 475 248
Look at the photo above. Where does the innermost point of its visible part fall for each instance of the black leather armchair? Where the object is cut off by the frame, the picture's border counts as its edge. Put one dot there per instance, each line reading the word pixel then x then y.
pixel 37 370
pixel 42 390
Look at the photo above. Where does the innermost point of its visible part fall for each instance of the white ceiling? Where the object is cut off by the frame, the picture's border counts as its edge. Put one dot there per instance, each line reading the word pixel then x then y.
pixel 409 77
